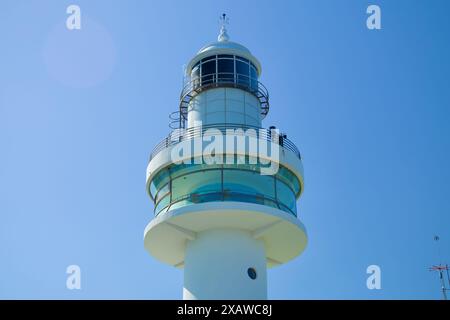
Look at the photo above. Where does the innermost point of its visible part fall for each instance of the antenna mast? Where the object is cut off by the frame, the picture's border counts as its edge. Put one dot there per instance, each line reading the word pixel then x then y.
pixel 223 21
pixel 441 268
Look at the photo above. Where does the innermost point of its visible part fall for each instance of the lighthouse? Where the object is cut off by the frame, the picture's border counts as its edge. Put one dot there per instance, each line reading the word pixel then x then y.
pixel 224 188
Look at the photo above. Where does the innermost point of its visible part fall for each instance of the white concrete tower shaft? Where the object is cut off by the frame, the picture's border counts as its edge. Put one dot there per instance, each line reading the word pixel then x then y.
pixel 225 264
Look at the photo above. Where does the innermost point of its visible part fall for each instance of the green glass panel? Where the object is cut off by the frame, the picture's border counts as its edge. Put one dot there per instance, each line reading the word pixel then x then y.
pixel 289 178
pixel 162 204
pixel 178 170
pixel 286 196
pixel 248 182
pixel 180 204
pixel 159 181
pixel 162 192
pixel 199 182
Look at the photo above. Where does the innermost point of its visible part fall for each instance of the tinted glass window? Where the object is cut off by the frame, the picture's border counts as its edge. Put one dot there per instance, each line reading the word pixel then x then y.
pixel 241 67
pixel 178 170
pixel 243 59
pixel 225 65
pixel 200 183
pixel 158 181
pixel 225 69
pixel 208 58
pixel 242 73
pixel 209 67
pixel 180 203
pixel 197 183
pixel 253 73
pixel 248 182
pixel 285 195
pixel 225 56
pixel 253 78
pixel 289 178
pixel 164 190
pixel 162 204
pixel 208 71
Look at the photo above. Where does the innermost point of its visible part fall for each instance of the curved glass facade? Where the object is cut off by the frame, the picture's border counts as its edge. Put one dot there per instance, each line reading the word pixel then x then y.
pixel 225 68
pixel 184 184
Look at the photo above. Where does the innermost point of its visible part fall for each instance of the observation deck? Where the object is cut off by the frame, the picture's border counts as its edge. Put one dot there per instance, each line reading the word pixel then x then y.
pixel 172 184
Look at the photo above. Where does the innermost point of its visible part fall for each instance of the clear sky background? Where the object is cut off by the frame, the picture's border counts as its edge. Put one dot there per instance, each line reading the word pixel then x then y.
pixel 80 112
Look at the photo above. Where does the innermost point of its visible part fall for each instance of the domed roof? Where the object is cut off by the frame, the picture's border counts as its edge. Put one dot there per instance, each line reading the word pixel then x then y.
pixel 223 46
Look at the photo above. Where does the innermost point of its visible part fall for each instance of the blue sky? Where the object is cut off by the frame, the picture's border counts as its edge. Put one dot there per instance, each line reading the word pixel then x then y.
pixel 80 112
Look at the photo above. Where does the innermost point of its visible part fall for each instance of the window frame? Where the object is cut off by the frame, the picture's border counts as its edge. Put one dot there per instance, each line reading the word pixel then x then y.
pixel 202 79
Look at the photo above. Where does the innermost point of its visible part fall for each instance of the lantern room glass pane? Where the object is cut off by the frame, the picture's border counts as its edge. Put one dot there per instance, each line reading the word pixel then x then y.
pixel 225 69
pixel 242 73
pixel 208 58
pixel 253 78
pixel 243 59
pixel 225 56
pixel 208 72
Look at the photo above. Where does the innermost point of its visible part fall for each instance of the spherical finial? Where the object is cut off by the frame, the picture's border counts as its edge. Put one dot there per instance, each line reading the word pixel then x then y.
pixel 223 36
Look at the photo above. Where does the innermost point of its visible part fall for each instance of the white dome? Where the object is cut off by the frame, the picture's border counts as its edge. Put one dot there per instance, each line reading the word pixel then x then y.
pixel 223 46
pixel 220 45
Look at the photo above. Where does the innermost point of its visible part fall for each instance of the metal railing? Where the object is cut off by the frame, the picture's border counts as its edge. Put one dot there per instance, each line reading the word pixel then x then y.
pixel 224 79
pixel 178 136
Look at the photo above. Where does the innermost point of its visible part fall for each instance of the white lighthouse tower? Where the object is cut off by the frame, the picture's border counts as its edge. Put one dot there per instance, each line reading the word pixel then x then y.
pixel 224 218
